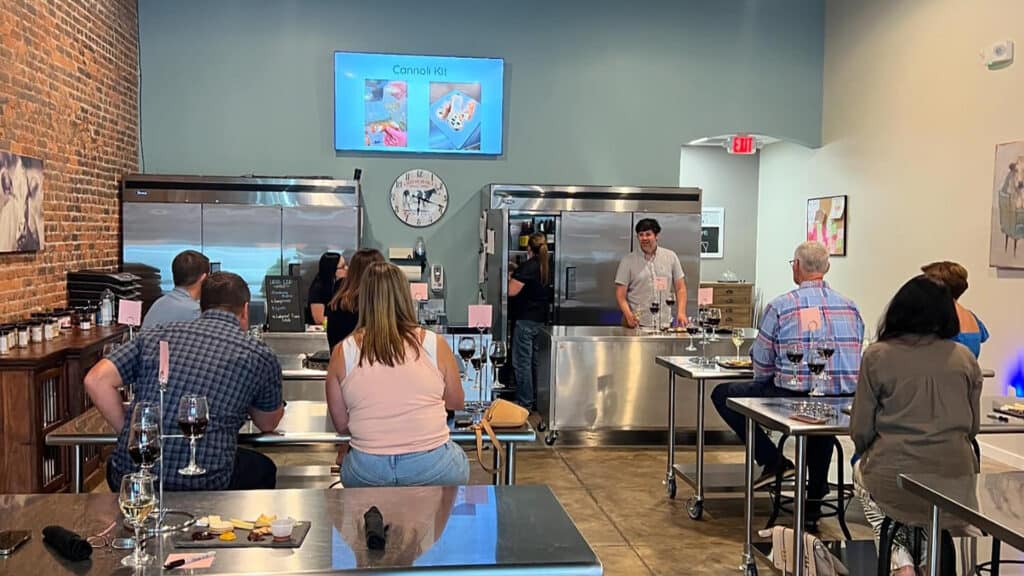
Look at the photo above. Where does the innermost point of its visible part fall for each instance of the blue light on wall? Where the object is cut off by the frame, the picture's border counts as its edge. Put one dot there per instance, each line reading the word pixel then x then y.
pixel 1015 382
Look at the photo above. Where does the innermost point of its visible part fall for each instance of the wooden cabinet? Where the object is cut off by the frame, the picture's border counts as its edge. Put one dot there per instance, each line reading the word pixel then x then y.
pixel 40 389
pixel 735 300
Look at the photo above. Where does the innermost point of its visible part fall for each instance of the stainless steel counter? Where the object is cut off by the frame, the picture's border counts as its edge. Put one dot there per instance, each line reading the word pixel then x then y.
pixel 604 379
pixel 440 530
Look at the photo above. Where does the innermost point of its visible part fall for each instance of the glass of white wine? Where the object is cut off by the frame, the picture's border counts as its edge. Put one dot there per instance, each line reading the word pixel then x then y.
pixel 137 501
pixel 737 340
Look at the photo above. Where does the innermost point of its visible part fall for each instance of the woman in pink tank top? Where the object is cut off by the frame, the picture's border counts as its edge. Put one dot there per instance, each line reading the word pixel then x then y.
pixel 389 385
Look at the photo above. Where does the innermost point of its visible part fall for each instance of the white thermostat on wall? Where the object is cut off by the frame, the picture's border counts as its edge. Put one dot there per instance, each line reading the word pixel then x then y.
pixel 998 54
pixel 419 198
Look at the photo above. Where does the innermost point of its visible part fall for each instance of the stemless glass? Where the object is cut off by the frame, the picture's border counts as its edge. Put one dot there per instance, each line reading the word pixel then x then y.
pixel 137 500
pixel 499 355
pixel 692 328
pixel 795 355
pixel 193 417
pixel 144 436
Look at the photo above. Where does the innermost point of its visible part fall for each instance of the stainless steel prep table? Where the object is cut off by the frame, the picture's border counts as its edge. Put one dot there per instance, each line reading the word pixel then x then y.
pixel 725 477
pixel 603 379
pixel 776 414
pixel 304 424
pixel 438 530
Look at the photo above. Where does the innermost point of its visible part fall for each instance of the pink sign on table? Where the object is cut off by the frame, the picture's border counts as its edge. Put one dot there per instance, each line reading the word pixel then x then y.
pixel 165 362
pixel 810 319
pixel 129 312
pixel 705 296
pixel 660 283
pixel 419 291
pixel 480 316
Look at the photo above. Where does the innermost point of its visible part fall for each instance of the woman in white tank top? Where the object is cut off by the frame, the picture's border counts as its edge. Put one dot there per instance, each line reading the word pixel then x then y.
pixel 389 384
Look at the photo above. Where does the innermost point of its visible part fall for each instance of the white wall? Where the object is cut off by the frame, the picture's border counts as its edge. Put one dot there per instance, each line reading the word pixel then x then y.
pixel 728 182
pixel 911 118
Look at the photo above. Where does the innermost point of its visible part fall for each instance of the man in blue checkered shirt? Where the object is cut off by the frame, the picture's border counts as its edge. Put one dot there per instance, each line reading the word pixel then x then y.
pixel 213 357
pixel 827 315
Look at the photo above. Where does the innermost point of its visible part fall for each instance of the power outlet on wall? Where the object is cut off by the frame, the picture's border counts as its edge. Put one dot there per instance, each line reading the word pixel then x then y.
pixel 998 55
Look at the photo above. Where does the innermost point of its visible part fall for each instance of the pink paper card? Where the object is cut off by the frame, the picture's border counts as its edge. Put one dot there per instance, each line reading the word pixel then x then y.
pixel 705 296
pixel 810 319
pixel 660 283
pixel 129 312
pixel 191 563
pixel 165 362
pixel 419 291
pixel 480 316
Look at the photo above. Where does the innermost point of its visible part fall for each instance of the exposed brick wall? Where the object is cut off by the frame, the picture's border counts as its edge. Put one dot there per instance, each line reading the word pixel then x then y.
pixel 68 95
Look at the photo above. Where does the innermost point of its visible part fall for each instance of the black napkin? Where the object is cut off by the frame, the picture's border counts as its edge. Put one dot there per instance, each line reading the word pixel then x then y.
pixel 67 543
pixel 376 531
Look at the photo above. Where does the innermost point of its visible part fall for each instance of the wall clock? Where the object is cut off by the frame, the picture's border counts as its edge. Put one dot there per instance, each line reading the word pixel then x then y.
pixel 419 198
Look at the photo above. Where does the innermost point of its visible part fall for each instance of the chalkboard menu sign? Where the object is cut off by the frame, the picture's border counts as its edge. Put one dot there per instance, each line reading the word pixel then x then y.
pixel 284 304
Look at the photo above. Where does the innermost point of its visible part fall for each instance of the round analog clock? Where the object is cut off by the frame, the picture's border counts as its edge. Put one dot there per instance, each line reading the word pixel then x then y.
pixel 419 198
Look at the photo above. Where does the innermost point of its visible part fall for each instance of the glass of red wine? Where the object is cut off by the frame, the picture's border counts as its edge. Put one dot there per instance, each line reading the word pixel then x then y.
pixel 816 363
pixel 144 436
pixel 692 328
pixel 827 348
pixel 795 355
pixel 498 353
pixel 467 348
pixel 193 417
pixel 655 309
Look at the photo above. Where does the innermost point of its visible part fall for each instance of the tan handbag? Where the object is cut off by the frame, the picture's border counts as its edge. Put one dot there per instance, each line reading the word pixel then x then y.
pixel 500 414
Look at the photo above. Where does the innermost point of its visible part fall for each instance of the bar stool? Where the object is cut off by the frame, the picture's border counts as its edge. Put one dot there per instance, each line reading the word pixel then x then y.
pixel 837 505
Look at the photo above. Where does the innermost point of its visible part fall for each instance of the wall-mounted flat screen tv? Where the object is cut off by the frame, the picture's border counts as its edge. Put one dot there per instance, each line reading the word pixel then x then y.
pixel 432 104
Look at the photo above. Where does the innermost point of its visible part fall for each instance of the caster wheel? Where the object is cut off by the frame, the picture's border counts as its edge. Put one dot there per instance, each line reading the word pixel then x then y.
pixel 541 426
pixel 671 488
pixel 551 438
pixel 695 508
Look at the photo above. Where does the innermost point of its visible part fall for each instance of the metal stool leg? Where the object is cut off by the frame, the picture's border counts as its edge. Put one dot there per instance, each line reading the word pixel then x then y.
pixel 884 547
pixel 841 510
pixel 777 486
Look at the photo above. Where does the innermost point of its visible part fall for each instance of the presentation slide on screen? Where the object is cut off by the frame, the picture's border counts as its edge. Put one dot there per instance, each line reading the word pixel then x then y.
pixel 436 104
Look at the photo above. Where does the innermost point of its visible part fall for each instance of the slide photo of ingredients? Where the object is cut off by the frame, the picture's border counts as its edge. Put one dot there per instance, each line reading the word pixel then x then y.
pixel 454 116
pixel 385 122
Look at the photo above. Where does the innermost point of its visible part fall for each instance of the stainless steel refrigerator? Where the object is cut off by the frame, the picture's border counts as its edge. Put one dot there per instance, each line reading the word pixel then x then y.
pixel 589 229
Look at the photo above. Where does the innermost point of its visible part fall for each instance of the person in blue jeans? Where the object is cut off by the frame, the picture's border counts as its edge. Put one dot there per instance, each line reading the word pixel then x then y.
pixel 529 288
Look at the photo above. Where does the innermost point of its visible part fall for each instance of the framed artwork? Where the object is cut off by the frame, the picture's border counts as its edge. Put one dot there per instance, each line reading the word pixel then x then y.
pixel 21 203
pixel 712 227
pixel 826 223
pixel 1006 249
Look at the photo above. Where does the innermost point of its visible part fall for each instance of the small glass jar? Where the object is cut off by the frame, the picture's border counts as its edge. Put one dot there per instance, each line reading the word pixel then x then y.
pixel 5 346
pixel 63 318
pixel 24 337
pixel 52 327
pixel 85 318
pixel 35 329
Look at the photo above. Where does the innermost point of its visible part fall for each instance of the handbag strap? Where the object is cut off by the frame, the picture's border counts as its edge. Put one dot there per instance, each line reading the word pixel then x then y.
pixel 485 426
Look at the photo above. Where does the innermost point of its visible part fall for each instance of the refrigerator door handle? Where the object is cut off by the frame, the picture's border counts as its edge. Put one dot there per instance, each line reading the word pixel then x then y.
pixel 570 282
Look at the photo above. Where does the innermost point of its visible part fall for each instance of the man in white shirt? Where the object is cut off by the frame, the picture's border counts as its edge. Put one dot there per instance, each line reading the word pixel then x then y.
pixel 648 275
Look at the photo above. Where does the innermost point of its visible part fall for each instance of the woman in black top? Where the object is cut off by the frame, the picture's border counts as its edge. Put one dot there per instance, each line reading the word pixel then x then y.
pixel 332 269
pixel 529 288
pixel 343 308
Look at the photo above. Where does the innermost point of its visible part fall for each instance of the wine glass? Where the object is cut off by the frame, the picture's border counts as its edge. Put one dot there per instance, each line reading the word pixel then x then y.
pixel 655 309
pixel 193 416
pixel 795 354
pixel 816 364
pixel 713 320
pixel 498 353
pixel 737 340
pixel 137 500
pixel 466 350
pixel 827 348
pixel 692 328
pixel 670 301
pixel 144 436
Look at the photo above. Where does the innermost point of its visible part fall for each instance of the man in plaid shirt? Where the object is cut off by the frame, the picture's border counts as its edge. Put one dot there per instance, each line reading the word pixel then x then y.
pixel 827 315
pixel 213 357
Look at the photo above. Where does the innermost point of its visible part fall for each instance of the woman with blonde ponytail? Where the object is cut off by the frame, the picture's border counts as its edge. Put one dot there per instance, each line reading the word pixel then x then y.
pixel 529 287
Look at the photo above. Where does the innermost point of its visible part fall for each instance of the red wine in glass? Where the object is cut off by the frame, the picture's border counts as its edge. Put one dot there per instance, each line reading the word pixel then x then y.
pixel 193 429
pixel 477 362
pixel 826 351
pixel 144 455
pixel 816 366
pixel 794 356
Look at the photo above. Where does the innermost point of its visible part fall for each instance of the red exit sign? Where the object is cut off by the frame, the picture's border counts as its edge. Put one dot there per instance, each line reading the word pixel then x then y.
pixel 742 145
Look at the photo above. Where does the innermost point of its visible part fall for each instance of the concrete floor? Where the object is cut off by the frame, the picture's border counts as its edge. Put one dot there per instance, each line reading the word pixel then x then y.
pixel 617 500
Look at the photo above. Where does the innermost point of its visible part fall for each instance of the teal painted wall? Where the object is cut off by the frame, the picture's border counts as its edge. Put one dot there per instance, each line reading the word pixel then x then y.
pixel 597 92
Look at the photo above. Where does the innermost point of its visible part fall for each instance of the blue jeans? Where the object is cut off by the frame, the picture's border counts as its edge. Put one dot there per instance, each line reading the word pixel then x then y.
pixel 525 351
pixel 445 465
